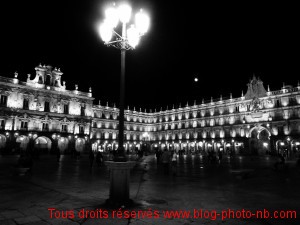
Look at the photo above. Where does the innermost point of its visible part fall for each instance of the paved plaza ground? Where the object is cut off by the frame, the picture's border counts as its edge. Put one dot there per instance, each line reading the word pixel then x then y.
pixel 71 185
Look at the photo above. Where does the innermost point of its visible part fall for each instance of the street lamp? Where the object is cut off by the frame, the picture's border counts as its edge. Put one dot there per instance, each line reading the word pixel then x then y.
pixel 128 40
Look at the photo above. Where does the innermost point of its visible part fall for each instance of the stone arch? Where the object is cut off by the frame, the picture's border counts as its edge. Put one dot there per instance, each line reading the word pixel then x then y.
pixel 210 146
pixel 281 143
pixel 192 147
pixel 228 147
pixel 109 146
pixel 259 140
pixel 295 145
pixel 282 147
pixel 259 129
pixel 62 143
pixel 79 144
pixel 23 141
pixel 42 143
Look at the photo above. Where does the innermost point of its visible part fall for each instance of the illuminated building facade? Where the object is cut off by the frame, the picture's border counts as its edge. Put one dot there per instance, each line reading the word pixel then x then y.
pixel 41 113
pixel 259 122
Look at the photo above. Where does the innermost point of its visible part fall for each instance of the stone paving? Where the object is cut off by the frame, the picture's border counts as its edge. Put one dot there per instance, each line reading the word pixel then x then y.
pixel 72 186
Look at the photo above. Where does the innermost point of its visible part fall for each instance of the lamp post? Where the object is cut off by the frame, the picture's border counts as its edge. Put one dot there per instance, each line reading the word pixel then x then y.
pixel 128 40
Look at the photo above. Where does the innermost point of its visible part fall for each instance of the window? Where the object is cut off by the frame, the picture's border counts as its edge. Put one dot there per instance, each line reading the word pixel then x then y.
pixel 26 104
pixel 66 109
pixel 81 130
pixel 64 128
pixel 40 80
pixel 24 125
pixel 45 127
pixel 82 111
pixel 3 100
pixel 47 107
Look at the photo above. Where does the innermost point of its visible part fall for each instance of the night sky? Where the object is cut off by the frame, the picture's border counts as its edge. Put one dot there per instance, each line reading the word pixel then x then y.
pixel 221 44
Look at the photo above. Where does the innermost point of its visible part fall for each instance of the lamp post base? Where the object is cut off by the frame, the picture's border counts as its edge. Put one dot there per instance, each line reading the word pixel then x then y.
pixel 119 183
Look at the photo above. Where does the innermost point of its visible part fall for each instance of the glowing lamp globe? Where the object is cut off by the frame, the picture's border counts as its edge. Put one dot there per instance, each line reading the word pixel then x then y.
pixel 105 31
pixel 133 36
pixel 142 22
pixel 112 17
pixel 124 12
